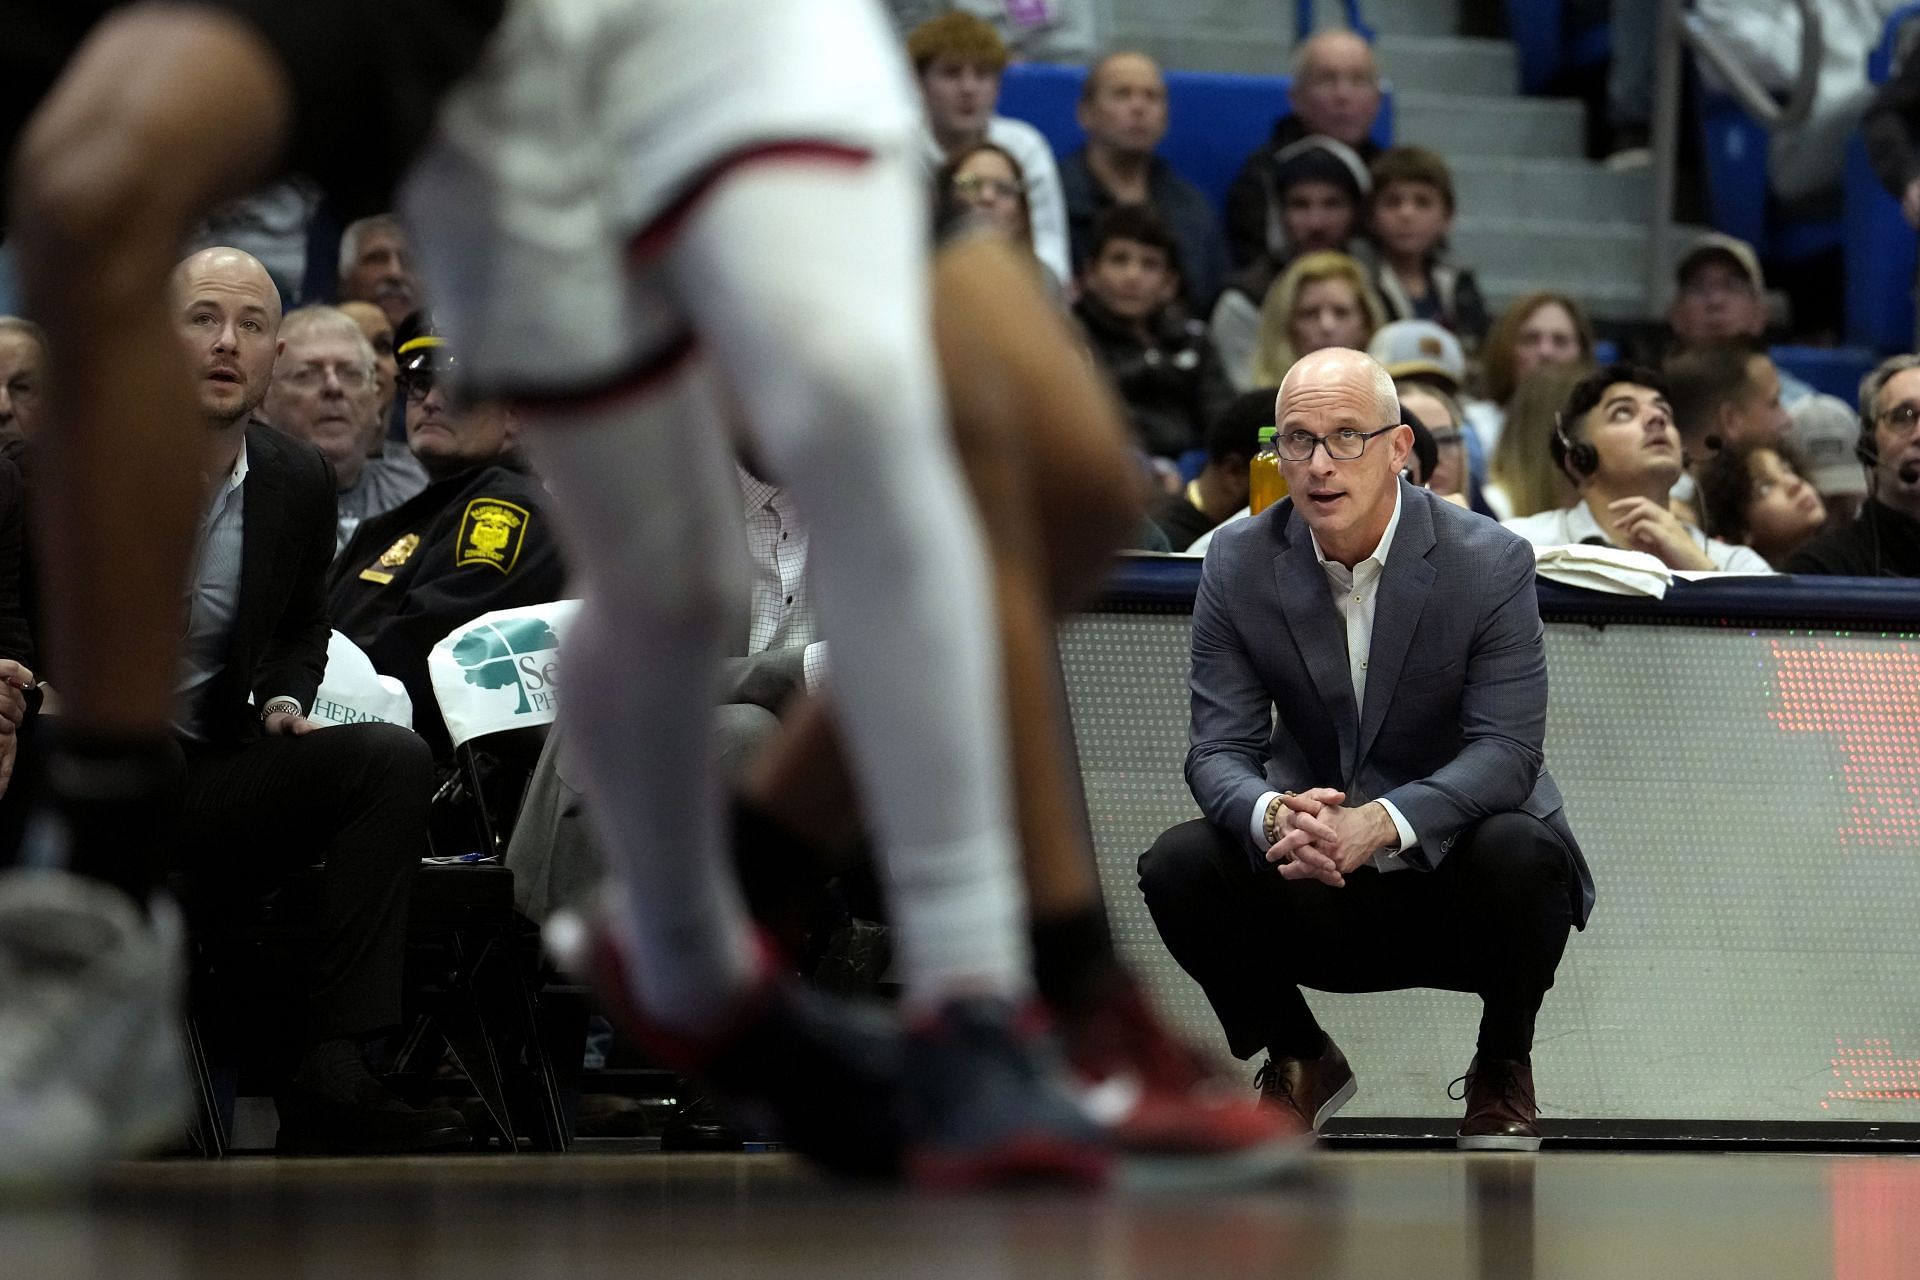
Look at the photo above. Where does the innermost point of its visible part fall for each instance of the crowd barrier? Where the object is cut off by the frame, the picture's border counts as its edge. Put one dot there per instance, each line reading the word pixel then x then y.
pixel 1742 767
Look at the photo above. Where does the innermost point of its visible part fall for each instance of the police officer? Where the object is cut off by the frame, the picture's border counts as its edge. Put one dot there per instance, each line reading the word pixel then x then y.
pixel 472 541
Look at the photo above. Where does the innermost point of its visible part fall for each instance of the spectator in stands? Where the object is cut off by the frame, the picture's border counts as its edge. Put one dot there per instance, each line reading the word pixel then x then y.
pixel 1319 189
pixel 985 180
pixel 1322 300
pixel 474 540
pixel 1409 215
pixel 1885 541
pixel 1439 414
pixel 957 59
pixel 1422 352
pixel 1725 393
pixel 775 658
pixel 1824 431
pixel 325 391
pixel 1536 330
pixel 1222 487
pixel 1891 130
pixel 23 375
pixel 1803 160
pixel 376 265
pixel 1758 495
pixel 1523 479
pixel 263 795
pixel 1720 295
pixel 1123 109
pixel 1616 441
pixel 378 331
pixel 1162 365
pixel 1394 828
pixel 19 704
pixel 1335 92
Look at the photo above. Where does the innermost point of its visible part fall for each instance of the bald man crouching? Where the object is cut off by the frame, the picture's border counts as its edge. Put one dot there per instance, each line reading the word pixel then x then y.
pixel 265 794
pixel 1369 703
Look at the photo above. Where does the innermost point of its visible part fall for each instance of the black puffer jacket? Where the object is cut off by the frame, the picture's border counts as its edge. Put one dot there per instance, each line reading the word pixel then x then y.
pixel 1171 385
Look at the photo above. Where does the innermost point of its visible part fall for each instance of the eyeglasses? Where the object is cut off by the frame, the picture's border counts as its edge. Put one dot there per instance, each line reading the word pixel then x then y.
pixel 1448 439
pixel 310 377
pixel 999 188
pixel 1902 418
pixel 1342 446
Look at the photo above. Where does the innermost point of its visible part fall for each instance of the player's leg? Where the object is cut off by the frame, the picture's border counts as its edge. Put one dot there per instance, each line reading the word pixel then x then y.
pixel 646 501
pixel 163 112
pixel 649 510
pixel 806 275
pixel 1045 457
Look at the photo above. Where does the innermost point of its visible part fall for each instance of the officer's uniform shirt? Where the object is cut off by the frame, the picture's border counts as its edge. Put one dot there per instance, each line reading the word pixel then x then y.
pixel 463 546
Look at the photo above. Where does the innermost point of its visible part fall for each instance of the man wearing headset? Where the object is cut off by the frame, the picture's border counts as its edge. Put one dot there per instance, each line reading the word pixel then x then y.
pixel 1617 441
pixel 1884 542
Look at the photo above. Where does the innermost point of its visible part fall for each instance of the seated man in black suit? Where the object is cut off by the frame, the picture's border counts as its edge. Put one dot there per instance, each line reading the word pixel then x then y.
pixel 1369 708
pixel 264 794
pixel 474 540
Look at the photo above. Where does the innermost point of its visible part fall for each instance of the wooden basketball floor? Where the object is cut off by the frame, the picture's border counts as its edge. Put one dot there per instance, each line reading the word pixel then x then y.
pixel 1417 1215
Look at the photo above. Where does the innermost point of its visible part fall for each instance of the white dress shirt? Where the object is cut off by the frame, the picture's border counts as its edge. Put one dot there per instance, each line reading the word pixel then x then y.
pixel 1355 593
pixel 213 597
pixel 1572 525
pixel 782 610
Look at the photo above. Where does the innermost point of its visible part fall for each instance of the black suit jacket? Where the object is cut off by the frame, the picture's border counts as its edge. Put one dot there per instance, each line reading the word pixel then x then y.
pixel 279 642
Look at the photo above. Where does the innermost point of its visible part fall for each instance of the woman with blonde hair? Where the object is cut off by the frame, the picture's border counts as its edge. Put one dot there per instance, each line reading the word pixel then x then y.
pixel 1522 479
pixel 1321 300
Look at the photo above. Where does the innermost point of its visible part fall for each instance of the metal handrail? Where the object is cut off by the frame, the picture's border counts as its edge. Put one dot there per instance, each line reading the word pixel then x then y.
pixel 1676 32
pixel 1754 99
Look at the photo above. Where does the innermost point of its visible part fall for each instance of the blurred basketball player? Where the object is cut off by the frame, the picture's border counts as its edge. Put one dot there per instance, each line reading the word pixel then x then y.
pixel 120 126
pixel 730 203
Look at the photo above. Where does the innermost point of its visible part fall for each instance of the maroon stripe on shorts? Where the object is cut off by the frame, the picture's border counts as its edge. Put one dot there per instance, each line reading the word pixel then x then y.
pixel 652 239
pixel 654 368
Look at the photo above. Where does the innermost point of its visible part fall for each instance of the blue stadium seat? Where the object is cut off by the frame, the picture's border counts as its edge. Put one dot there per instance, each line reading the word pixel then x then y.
pixel 1835 370
pixel 1879 246
pixel 1739 198
pixel 1547 49
pixel 1215 119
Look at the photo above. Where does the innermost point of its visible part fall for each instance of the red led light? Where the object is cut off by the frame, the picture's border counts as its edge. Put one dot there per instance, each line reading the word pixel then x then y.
pixel 1872 1073
pixel 1870 700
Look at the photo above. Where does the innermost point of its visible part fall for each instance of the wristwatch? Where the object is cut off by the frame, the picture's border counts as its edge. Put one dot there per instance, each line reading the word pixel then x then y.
pixel 290 706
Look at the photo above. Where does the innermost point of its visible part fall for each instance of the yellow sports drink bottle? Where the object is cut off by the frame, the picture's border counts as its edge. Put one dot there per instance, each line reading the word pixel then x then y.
pixel 1268 486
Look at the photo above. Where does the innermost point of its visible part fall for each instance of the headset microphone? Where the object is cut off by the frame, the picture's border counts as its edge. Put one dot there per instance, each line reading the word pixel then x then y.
pixel 1909 472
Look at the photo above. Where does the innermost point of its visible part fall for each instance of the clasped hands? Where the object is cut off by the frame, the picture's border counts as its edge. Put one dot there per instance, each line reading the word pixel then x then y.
pixel 1321 840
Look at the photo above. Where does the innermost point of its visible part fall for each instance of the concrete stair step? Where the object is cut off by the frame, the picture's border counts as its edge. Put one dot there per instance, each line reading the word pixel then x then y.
pixel 1486 68
pixel 1463 125
pixel 1392 17
pixel 1265 18
pixel 1570 190
pixel 1450 65
pixel 1579 256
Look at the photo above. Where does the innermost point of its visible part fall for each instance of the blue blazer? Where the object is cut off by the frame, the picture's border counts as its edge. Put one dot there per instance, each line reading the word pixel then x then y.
pixel 1455 719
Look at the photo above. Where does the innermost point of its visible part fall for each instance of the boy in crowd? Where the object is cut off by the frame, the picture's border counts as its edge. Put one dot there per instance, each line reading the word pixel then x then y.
pixel 1225 483
pixel 1409 214
pixel 957 60
pixel 1162 365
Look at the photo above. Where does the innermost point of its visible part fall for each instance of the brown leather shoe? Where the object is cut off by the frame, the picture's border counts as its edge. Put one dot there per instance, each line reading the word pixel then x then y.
pixel 1501 1112
pixel 1311 1088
